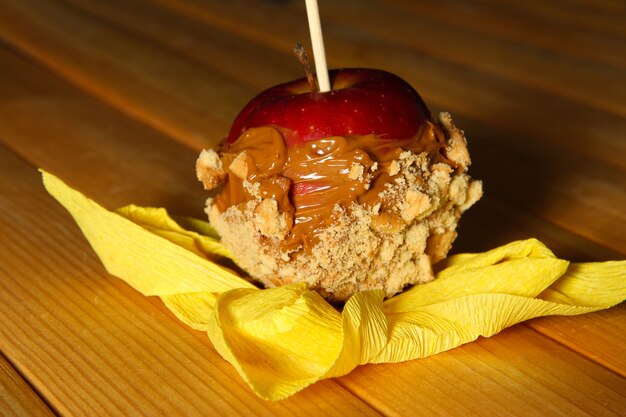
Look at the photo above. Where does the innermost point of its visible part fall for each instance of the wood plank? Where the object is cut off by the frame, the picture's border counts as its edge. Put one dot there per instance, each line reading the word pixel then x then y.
pixel 134 17
pixel 569 191
pixel 138 75
pixel 543 30
pixel 586 16
pixel 18 76
pixel 596 84
pixel 107 157
pixel 565 127
pixel 461 89
pixel 493 223
pixel 579 333
pixel 75 133
pixel 17 399
pixel 573 181
pixel 570 385
pixel 88 342
pixel 248 63
pixel 511 374
pixel 494 102
pixel 78 317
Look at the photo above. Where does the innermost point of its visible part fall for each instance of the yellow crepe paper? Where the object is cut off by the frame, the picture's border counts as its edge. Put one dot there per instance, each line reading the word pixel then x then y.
pixel 282 340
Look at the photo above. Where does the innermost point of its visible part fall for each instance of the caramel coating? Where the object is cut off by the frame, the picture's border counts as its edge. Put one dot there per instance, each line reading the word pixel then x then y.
pixel 379 214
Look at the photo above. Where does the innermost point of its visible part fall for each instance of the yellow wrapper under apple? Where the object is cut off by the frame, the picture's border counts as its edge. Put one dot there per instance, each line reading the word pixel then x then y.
pixel 284 339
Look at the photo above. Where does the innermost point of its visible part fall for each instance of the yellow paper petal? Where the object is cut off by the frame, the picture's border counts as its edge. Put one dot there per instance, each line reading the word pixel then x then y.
pixel 193 309
pixel 158 221
pixel 418 334
pixel 280 340
pixel 515 250
pixel 284 339
pixel 439 327
pixel 593 284
pixel 201 227
pixel 523 268
pixel 148 262
pixel 365 332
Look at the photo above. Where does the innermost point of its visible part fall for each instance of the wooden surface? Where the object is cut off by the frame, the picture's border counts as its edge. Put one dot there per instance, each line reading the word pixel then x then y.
pixel 117 97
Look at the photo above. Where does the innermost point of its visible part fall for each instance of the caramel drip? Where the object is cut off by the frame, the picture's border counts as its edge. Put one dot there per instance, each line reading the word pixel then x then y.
pixel 308 180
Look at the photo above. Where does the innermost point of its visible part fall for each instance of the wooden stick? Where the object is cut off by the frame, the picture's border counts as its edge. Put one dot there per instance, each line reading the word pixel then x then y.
pixel 318 45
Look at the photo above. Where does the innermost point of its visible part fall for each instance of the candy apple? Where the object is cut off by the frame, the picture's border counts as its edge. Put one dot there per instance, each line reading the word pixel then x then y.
pixel 361 101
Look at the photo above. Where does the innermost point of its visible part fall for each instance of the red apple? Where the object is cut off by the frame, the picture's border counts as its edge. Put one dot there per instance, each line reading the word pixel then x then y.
pixel 362 101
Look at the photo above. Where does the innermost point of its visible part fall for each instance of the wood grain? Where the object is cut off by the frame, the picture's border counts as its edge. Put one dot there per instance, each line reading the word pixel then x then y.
pixel 153 152
pixel 134 81
pixel 461 89
pixel 17 399
pixel 513 374
pixel 246 62
pixel 595 84
pixel 82 316
pixel 475 94
pixel 86 139
pixel 582 332
pixel 76 133
pixel 587 17
pixel 118 97
pixel 555 29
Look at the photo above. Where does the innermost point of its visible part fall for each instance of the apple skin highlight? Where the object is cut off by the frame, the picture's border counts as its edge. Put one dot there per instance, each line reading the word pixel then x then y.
pixel 362 101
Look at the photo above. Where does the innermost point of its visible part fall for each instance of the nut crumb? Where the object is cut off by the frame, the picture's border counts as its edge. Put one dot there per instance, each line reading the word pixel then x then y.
pixel 209 169
pixel 394 168
pixel 386 244
pixel 415 204
pixel 239 166
pixel 356 172
pixel 387 223
pixel 268 221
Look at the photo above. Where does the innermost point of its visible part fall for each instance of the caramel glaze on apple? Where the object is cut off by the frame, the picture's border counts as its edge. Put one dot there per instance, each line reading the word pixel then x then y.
pixel 308 180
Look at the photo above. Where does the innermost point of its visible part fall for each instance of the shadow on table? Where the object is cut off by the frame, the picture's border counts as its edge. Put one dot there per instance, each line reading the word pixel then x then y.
pixel 521 178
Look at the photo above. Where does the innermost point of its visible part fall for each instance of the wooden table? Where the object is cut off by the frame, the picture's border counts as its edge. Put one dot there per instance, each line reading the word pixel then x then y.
pixel 117 97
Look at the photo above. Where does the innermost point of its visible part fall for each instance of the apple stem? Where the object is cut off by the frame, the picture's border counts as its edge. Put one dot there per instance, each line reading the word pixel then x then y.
pixel 315 28
pixel 303 58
